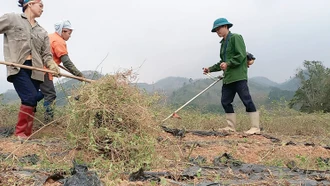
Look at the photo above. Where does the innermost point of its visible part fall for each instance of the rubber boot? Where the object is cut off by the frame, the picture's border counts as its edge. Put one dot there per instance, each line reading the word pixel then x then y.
pixel 24 117
pixel 29 127
pixel 231 121
pixel 49 113
pixel 255 128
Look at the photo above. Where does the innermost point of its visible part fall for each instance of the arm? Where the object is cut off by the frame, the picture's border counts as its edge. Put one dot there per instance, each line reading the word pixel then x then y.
pixel 61 51
pixel 4 23
pixel 70 66
pixel 239 52
pixel 47 57
pixel 215 67
pixel 45 51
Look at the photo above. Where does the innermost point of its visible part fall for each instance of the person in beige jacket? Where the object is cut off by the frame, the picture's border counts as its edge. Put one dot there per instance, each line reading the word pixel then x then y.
pixel 27 43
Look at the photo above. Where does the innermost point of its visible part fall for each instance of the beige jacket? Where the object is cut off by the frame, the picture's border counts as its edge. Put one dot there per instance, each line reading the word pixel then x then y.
pixel 21 40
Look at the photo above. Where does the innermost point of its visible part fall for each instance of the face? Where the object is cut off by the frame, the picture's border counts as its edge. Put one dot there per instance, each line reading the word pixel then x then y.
pixel 66 34
pixel 36 8
pixel 221 31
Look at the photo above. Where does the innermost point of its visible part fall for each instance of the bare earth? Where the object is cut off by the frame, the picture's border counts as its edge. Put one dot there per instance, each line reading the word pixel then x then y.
pixel 264 160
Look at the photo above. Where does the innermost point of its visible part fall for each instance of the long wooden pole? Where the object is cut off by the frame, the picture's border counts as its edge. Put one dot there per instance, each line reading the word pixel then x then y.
pixel 46 70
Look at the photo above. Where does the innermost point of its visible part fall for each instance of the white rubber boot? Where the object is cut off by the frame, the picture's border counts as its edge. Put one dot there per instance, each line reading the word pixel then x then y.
pixel 231 121
pixel 255 128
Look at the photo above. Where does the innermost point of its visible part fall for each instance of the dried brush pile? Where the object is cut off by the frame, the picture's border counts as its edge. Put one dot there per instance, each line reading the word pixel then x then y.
pixel 113 119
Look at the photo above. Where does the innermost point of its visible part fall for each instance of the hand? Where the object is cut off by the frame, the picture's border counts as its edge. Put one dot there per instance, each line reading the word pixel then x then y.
pixel 51 65
pixel 206 70
pixel 80 74
pixel 250 62
pixel 223 66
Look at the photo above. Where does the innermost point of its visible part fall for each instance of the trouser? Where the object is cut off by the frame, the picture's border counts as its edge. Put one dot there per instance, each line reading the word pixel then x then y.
pixel 48 90
pixel 228 94
pixel 28 91
pixel 27 88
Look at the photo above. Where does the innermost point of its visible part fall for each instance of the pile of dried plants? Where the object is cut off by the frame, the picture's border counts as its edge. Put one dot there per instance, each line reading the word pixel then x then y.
pixel 113 119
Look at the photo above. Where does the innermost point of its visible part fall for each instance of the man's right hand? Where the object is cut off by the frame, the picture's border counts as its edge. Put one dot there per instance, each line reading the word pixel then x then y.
pixel 206 70
pixel 51 65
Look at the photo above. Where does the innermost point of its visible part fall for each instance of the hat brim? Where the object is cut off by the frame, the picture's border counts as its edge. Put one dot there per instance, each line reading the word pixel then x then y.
pixel 215 28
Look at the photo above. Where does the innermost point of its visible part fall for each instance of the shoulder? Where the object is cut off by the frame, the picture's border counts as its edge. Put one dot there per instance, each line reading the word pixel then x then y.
pixel 56 39
pixel 11 16
pixel 235 35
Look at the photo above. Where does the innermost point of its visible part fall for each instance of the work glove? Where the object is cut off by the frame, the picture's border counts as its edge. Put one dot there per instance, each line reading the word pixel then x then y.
pixel 79 74
pixel 51 65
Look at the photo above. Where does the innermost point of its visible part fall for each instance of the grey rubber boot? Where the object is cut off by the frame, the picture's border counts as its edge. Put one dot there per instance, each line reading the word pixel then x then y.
pixel 255 128
pixel 231 121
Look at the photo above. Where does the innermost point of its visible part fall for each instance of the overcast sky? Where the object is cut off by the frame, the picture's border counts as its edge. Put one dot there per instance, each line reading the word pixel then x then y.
pixel 174 37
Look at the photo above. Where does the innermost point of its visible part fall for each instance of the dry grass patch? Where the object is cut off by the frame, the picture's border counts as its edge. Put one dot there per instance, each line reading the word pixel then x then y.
pixel 112 120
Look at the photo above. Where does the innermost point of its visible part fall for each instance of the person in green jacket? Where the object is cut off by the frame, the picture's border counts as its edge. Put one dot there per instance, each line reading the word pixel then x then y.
pixel 234 65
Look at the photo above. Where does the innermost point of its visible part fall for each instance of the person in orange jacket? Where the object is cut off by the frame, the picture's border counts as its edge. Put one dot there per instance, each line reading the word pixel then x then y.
pixel 63 31
pixel 26 43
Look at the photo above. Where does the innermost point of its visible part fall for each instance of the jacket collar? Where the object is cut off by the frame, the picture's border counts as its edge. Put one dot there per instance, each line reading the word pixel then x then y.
pixel 222 40
pixel 25 17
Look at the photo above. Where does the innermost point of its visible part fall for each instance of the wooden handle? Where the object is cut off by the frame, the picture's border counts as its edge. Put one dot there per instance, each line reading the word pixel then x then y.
pixel 46 70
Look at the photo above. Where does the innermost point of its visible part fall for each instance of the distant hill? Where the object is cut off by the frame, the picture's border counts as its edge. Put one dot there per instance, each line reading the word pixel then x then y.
pixel 166 85
pixel 277 94
pixel 9 97
pixel 264 81
pixel 291 85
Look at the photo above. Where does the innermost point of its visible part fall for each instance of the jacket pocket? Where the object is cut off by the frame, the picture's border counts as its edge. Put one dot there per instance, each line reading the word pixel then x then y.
pixel 37 41
pixel 20 34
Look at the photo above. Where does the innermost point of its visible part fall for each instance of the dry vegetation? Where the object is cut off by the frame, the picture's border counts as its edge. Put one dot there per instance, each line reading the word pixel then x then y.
pixel 113 120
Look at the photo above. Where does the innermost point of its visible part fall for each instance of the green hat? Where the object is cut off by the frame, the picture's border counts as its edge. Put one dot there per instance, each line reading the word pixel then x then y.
pixel 220 22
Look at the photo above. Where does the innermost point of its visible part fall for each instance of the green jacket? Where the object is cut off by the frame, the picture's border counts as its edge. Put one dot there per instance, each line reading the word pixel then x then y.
pixel 235 58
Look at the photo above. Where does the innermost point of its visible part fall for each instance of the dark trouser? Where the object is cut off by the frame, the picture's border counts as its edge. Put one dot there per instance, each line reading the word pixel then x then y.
pixel 27 88
pixel 228 94
pixel 48 90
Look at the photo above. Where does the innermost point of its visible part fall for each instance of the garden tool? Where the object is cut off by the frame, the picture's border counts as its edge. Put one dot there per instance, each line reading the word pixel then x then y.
pixel 46 70
pixel 175 115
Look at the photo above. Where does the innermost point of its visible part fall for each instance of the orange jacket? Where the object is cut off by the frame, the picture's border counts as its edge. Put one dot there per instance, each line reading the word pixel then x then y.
pixel 58 48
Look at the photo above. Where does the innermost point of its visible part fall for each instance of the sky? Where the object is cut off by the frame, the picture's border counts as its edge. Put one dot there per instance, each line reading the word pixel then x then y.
pixel 159 39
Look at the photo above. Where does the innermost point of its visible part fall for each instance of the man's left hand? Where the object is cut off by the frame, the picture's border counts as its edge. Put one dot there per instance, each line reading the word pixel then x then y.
pixel 223 66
